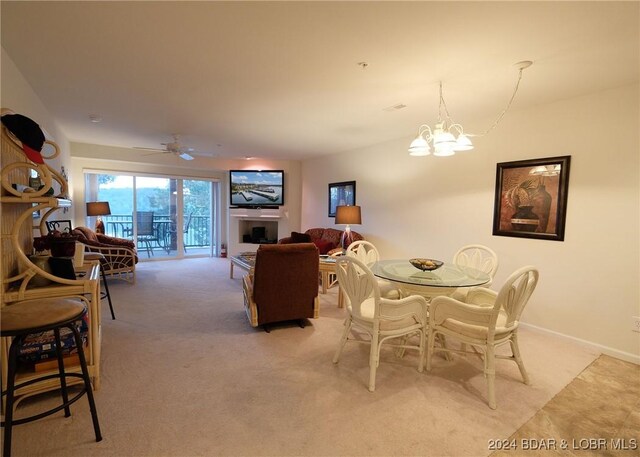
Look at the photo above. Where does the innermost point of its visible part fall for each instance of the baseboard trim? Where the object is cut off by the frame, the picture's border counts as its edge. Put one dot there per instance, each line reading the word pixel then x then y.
pixel 627 356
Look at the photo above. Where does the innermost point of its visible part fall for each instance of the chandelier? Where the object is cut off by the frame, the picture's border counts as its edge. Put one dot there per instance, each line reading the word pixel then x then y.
pixel 443 136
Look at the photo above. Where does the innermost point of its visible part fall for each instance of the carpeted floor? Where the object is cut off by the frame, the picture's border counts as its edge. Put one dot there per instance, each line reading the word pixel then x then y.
pixel 183 374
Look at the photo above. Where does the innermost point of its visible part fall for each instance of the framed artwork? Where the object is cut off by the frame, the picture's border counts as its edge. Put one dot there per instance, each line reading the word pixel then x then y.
pixel 531 198
pixel 340 194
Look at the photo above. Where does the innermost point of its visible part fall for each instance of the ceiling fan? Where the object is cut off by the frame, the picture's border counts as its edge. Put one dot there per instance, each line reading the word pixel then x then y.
pixel 173 148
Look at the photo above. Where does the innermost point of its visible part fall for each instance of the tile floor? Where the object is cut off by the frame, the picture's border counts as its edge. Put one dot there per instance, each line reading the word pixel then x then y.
pixel 598 413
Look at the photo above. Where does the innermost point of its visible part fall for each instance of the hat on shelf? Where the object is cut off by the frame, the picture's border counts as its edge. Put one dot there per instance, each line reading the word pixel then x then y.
pixel 28 132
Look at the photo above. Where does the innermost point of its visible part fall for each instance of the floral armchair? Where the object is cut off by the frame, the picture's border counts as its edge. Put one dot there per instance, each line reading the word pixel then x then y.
pixel 327 240
pixel 120 255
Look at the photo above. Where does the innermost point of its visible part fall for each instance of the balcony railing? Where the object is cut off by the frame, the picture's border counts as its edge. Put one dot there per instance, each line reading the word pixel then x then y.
pixel 198 234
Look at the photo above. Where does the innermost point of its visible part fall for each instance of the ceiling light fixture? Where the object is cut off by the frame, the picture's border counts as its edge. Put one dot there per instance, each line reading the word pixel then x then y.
pixel 94 118
pixel 442 136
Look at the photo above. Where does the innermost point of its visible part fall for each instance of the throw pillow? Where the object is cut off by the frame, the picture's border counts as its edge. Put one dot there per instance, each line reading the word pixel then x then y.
pixel 324 246
pixel 85 232
pixel 300 237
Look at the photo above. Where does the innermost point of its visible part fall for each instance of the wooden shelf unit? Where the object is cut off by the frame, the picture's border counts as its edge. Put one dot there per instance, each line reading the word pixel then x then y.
pixel 16 241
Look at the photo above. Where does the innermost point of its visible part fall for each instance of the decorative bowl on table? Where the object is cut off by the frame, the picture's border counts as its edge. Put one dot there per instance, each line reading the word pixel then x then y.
pixel 426 264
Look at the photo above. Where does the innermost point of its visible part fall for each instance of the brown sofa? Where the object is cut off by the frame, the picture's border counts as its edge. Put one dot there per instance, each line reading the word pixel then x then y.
pixel 284 284
pixel 120 255
pixel 326 239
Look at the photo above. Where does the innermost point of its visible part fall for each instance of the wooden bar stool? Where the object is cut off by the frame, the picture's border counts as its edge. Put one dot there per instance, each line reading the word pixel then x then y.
pixel 104 293
pixel 40 315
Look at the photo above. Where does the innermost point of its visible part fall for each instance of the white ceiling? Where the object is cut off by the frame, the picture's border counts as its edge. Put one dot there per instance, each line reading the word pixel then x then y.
pixel 282 80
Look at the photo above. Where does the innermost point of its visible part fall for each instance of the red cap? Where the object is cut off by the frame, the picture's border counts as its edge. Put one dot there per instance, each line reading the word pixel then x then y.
pixel 32 154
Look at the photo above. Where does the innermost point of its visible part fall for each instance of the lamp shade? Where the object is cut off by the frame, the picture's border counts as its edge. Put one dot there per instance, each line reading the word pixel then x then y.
pixel 348 215
pixel 98 208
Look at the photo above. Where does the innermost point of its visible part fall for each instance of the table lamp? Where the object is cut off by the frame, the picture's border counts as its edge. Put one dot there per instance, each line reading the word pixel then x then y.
pixel 98 209
pixel 347 215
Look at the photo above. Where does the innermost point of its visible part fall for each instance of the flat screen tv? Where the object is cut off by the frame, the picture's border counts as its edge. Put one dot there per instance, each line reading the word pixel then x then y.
pixel 256 188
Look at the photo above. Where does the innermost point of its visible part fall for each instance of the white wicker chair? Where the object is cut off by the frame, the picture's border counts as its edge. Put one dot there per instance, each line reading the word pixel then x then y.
pixel 380 318
pixel 479 257
pixel 367 253
pixel 488 319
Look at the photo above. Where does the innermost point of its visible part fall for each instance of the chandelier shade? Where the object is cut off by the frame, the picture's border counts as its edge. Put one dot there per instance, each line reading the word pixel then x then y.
pixel 419 147
pixel 463 143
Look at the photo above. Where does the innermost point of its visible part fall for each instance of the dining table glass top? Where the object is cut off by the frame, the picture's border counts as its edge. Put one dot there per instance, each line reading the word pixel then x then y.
pixel 448 275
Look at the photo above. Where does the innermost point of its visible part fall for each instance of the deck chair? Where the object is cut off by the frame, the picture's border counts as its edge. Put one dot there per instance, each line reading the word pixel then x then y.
pixel 146 230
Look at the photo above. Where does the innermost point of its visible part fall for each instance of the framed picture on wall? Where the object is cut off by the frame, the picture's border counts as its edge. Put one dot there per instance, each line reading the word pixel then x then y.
pixel 340 194
pixel 531 198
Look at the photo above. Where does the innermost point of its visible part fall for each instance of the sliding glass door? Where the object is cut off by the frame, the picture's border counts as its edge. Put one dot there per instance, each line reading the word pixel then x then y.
pixel 155 216
pixel 167 217
pixel 198 216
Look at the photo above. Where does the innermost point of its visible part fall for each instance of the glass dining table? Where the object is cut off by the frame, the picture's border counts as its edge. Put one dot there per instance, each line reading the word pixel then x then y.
pixel 442 281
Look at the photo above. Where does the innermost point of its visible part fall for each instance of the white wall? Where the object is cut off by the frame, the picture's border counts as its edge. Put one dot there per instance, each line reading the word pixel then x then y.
pixel 17 95
pixel 430 206
pixel 110 159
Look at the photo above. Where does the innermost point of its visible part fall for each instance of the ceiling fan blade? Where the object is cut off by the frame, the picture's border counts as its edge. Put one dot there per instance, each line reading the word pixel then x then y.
pixel 149 149
pixel 172 148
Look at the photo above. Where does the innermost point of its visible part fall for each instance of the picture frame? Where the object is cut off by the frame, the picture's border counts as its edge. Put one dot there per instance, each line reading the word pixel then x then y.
pixel 63 173
pixel 340 194
pixel 531 198
pixel 63 225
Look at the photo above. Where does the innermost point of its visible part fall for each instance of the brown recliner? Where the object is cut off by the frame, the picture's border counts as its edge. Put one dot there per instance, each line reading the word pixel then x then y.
pixel 284 284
